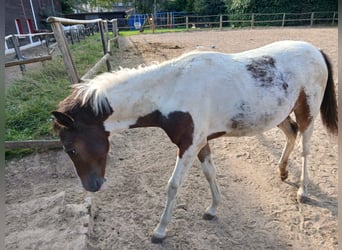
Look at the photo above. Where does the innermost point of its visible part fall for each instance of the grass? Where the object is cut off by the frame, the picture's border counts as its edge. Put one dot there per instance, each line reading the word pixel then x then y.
pixel 30 99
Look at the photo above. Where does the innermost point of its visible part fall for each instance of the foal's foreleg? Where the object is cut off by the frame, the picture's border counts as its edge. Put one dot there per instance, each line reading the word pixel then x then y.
pixel 290 129
pixel 182 165
pixel 210 174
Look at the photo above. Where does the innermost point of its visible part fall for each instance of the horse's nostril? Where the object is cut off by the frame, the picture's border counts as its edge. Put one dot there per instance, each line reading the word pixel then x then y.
pixel 93 183
pixel 99 181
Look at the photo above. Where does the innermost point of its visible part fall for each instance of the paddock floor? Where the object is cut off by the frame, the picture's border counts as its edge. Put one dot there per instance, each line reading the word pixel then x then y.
pixel 47 208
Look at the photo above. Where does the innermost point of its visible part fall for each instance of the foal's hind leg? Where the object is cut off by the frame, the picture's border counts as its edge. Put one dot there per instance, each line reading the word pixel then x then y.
pixel 302 191
pixel 304 117
pixel 210 174
pixel 290 129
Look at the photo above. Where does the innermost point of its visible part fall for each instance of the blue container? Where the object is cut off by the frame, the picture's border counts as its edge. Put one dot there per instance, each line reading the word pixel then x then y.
pixel 136 21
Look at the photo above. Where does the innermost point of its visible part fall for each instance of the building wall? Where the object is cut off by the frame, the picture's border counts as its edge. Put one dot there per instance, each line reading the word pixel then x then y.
pixel 22 10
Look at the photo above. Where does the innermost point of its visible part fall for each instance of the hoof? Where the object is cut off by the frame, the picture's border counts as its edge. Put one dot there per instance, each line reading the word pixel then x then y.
pixel 157 240
pixel 302 198
pixel 284 175
pixel 207 216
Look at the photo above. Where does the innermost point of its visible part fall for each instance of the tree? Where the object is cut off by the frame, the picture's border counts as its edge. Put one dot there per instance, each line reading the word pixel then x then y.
pixel 209 7
pixel 175 5
pixel 276 6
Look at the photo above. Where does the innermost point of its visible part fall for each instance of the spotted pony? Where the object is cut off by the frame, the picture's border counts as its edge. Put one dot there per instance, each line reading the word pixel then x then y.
pixel 198 97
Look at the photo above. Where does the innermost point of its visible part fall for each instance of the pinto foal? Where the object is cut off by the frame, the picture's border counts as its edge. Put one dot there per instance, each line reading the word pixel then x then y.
pixel 198 97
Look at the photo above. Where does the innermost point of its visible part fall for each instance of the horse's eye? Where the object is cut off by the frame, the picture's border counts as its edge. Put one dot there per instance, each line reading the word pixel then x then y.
pixel 71 152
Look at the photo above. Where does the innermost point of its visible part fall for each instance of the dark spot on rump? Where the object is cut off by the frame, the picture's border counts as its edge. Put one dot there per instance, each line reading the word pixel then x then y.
pixel 178 125
pixel 262 69
pixel 285 86
pixel 238 121
pixel 244 107
pixel 302 112
pixel 280 101
pixel 266 117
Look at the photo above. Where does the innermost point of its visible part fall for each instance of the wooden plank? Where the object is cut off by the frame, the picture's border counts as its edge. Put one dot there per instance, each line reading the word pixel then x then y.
pixel 71 21
pixel 33 144
pixel 27 61
pixel 90 74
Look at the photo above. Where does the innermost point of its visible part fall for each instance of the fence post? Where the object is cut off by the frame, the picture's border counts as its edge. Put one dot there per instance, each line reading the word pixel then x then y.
pixel 103 41
pixel 115 27
pixel 283 22
pixel 104 44
pixel 153 22
pixel 252 21
pixel 64 48
pixel 18 52
pixel 105 23
pixel 187 23
pixel 220 22
pixel 312 19
pixel 115 32
pixel 333 19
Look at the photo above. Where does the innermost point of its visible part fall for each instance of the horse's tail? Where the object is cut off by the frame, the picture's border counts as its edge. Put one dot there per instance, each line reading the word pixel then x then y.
pixel 329 113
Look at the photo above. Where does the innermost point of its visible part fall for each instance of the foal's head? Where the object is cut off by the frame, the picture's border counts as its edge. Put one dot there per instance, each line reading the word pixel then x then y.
pixel 79 123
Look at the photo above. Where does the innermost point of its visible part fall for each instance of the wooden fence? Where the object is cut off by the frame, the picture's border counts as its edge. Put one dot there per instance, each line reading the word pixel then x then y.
pixel 252 20
pixel 56 25
pixel 20 60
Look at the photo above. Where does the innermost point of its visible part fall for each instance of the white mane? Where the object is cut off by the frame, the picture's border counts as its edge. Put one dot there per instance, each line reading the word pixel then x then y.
pixel 94 92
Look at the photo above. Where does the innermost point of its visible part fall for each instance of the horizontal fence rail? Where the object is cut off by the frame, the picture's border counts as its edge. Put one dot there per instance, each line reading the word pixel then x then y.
pixel 33 144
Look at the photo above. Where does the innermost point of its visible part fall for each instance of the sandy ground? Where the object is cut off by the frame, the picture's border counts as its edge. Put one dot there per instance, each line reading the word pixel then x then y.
pixel 47 208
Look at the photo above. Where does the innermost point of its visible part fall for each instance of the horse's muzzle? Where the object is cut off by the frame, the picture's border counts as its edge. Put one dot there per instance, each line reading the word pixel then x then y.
pixel 93 182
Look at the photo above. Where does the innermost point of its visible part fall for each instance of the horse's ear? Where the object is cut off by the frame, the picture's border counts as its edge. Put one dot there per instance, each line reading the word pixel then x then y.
pixel 63 119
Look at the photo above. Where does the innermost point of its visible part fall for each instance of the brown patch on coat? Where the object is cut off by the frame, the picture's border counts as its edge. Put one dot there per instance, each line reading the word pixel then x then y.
pixel 302 112
pixel 178 125
pixel 205 151
pixel 203 154
pixel 215 135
